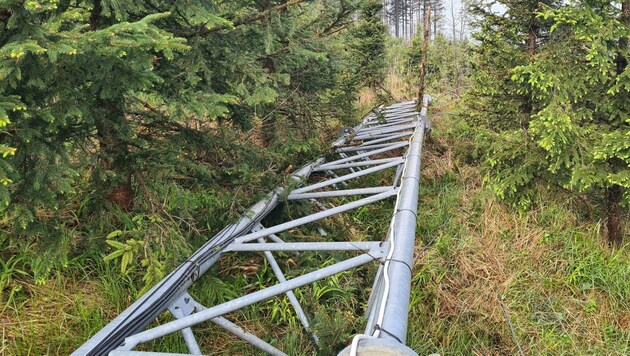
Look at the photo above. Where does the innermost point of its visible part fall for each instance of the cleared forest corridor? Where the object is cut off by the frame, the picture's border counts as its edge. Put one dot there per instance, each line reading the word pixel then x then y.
pixel 388 139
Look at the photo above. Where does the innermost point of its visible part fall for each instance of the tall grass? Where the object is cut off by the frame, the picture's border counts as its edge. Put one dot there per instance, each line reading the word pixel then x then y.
pixel 564 290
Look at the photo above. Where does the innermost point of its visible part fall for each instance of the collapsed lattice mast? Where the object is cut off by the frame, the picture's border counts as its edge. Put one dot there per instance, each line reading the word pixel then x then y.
pixel 389 138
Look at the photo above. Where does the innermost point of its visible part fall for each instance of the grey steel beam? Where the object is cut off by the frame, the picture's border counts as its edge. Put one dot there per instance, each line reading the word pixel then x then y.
pixel 408 132
pixel 368 144
pixel 189 337
pixel 275 267
pixel 372 162
pixel 389 303
pixel 250 338
pixel 338 193
pixel 346 177
pixel 314 217
pixel 360 246
pixel 238 303
pixel 362 148
pixel 379 131
pixel 389 124
pixel 367 154
pixel 352 170
pixel 402 238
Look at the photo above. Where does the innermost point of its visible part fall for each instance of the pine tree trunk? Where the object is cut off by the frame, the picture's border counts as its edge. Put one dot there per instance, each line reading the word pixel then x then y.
pixel 424 10
pixel 622 60
pixel 528 101
pixel 396 16
pixel 95 15
pixel 531 42
pixel 435 22
pixel 531 35
pixel 453 22
pixel 423 62
pixel 404 18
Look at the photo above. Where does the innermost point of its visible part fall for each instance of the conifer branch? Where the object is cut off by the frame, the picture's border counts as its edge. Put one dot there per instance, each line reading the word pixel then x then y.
pixel 273 53
pixel 247 20
pixel 332 32
pixel 336 25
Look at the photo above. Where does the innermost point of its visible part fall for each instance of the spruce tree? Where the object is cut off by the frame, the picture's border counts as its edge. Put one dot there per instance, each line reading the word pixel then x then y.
pixel 367 45
pixel 437 16
pixel 507 39
pixel 499 106
pixel 66 81
pixel 554 89
pixel 582 83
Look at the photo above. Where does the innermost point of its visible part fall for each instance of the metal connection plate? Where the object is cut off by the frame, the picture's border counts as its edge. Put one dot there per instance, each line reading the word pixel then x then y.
pixel 389 140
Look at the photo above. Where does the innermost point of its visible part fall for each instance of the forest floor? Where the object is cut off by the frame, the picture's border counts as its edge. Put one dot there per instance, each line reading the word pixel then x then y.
pixel 487 278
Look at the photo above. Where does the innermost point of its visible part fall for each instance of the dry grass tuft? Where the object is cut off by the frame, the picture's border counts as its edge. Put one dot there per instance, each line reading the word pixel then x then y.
pixel 398 86
pixel 367 97
pixel 52 314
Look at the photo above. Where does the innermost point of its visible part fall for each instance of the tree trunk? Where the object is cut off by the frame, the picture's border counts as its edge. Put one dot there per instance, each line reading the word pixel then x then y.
pixel 404 19
pixel 113 155
pixel 396 16
pixel 622 56
pixel 614 195
pixel 423 62
pixel 95 15
pixel 424 10
pixel 528 101
pixel 462 24
pixel 435 23
pixel 453 22
pixel 531 35
pixel 113 150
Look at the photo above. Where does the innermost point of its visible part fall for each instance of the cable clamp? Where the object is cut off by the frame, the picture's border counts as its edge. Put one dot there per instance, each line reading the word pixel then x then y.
pixel 378 327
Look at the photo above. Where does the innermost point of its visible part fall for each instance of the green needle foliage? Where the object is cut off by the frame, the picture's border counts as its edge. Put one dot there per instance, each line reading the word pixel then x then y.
pixel 112 110
pixel 69 77
pixel 552 92
pixel 368 45
pixel 583 123
pixel 507 39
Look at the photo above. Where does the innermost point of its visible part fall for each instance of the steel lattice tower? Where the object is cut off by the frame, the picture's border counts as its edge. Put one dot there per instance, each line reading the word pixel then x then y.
pixel 388 138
